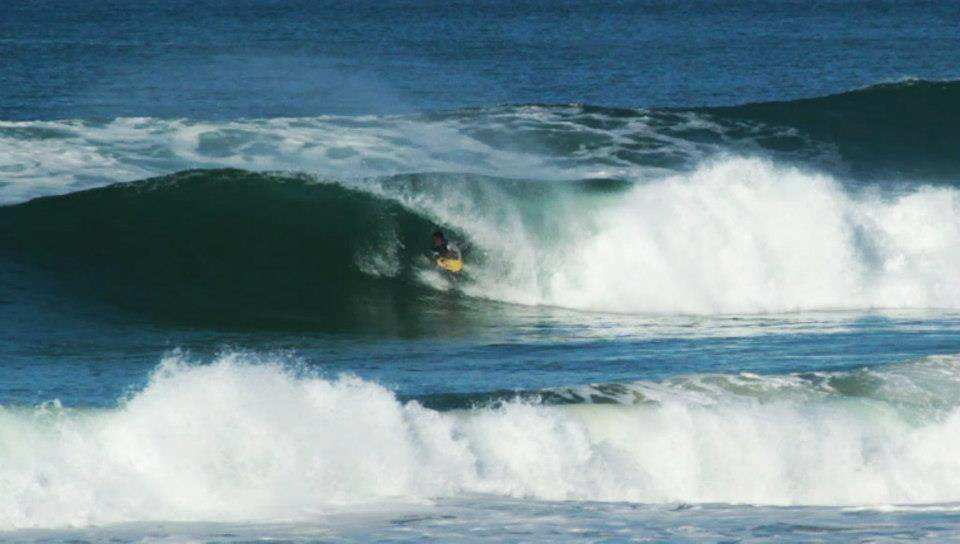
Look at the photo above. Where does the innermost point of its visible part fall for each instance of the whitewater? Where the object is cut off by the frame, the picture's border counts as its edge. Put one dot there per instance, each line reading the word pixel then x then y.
pixel 245 437
pixel 733 236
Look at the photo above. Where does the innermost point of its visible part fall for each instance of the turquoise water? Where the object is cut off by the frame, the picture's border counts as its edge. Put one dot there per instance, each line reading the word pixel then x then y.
pixel 710 291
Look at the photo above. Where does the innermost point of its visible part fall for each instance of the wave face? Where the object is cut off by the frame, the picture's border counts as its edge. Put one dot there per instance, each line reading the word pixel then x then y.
pixel 732 236
pixel 228 247
pixel 246 438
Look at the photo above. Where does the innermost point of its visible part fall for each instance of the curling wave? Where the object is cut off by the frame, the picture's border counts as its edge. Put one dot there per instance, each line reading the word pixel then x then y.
pixel 248 438
pixel 736 235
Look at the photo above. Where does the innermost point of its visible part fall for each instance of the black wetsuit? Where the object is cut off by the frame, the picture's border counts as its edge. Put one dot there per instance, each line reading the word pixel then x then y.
pixel 441 250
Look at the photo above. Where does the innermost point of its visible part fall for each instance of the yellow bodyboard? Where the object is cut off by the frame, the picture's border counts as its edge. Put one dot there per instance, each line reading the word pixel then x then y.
pixel 451 265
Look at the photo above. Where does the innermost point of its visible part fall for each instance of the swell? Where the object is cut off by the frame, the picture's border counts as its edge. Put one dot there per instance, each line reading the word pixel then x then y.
pixel 907 130
pixel 245 437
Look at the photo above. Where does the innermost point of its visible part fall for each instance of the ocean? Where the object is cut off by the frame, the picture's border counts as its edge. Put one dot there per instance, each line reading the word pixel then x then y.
pixel 711 288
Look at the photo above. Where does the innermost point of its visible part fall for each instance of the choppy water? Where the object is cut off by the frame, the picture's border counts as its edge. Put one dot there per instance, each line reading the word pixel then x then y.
pixel 711 290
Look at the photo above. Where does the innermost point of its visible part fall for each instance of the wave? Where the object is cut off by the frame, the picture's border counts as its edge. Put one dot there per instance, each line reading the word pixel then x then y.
pixel 737 235
pixel 891 132
pixel 229 247
pixel 248 437
pixel 904 130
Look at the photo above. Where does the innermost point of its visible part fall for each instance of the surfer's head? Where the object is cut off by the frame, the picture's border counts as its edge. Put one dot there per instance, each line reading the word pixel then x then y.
pixel 439 239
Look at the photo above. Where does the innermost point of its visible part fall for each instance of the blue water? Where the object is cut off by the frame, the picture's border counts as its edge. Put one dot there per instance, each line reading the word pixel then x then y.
pixel 710 294
pixel 257 58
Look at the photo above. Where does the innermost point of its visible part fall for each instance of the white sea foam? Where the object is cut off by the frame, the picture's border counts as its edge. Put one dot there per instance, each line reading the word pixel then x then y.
pixel 244 438
pixel 40 158
pixel 737 235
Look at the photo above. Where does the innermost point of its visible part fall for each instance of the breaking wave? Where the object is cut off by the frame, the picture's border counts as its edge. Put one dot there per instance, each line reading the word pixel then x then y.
pixel 248 437
pixel 736 235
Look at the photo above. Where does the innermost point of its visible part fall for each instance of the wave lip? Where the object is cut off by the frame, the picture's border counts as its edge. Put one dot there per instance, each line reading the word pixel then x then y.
pixel 246 438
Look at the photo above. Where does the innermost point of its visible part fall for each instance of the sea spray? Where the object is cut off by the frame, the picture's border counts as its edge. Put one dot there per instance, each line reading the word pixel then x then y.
pixel 734 235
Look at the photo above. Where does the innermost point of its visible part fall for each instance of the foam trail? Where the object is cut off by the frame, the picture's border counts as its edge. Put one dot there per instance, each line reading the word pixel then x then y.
pixel 244 439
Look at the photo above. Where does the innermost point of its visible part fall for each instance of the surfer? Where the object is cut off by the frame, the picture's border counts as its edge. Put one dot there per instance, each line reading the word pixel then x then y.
pixel 441 247
pixel 445 253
